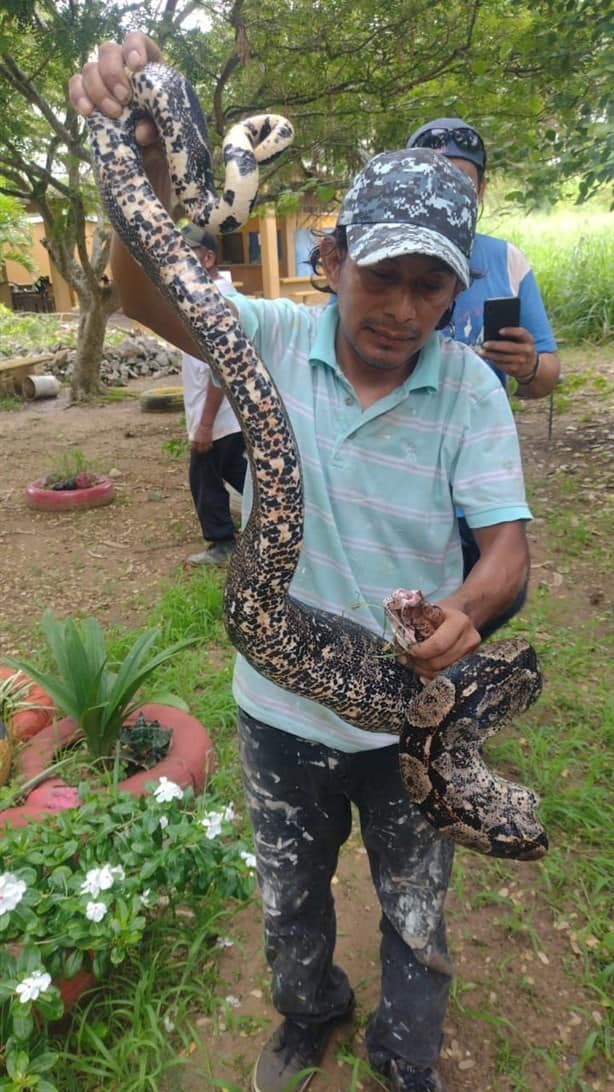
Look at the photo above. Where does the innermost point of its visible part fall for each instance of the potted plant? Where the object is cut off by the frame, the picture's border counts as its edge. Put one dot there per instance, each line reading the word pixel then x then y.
pixel 71 484
pixel 24 705
pixel 24 710
pixel 78 890
pixel 101 704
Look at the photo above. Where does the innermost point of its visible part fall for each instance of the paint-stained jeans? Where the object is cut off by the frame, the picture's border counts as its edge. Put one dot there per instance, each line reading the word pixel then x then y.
pixel 299 796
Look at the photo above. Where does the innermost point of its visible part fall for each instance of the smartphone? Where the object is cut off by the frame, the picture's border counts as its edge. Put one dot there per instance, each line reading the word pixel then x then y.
pixel 500 312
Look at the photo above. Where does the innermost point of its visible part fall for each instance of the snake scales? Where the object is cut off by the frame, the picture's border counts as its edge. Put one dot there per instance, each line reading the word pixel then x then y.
pixel 328 659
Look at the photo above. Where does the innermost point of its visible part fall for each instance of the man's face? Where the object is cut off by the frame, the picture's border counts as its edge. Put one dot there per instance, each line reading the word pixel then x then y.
pixel 472 173
pixel 387 311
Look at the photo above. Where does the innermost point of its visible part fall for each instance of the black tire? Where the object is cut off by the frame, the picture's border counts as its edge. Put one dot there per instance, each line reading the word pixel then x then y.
pixel 162 400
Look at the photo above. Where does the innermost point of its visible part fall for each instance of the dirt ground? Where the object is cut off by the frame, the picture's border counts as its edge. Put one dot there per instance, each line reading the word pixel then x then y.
pixel 110 562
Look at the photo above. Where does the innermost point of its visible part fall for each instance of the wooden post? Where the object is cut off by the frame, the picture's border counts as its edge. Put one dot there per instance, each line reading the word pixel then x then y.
pixel 268 250
pixel 289 232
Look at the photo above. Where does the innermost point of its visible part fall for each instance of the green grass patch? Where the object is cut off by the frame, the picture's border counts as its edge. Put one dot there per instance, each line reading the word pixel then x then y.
pixel 572 254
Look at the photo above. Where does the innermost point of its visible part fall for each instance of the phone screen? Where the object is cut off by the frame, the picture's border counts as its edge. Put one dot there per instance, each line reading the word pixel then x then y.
pixel 500 312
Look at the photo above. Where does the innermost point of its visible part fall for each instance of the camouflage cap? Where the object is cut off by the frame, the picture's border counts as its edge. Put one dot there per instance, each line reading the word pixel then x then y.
pixel 411 202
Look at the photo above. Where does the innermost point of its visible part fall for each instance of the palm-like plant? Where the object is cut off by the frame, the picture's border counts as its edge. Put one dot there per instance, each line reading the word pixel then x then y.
pixel 99 695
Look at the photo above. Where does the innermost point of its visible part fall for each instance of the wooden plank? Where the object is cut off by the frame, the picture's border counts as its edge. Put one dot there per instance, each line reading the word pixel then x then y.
pixel 18 363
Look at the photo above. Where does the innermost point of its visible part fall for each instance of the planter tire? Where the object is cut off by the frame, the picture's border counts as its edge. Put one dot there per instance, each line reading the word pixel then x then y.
pixel 38 713
pixel 162 400
pixel 69 500
pixel 5 753
pixel 189 762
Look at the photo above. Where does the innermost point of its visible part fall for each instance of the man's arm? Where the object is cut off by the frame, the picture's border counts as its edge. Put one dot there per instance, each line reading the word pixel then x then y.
pixel 139 297
pixel 516 355
pixel 203 437
pixel 104 85
pixel 492 585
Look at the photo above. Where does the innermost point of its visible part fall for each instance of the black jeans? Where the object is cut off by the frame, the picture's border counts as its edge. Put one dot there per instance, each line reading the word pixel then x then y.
pixel 299 795
pixel 471 553
pixel 207 474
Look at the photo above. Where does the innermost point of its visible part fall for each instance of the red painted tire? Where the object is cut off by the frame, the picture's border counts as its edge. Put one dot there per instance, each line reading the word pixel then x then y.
pixel 189 762
pixel 69 500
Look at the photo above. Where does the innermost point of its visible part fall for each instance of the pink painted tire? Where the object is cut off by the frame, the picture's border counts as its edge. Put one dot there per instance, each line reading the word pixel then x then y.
pixel 190 762
pixel 69 500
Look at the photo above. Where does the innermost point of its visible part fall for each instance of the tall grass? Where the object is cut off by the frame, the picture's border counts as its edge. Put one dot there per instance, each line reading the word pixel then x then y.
pixel 572 254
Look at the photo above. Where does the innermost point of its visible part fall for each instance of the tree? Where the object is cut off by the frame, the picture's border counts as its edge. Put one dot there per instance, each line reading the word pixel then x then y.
pixel 355 76
pixel 15 238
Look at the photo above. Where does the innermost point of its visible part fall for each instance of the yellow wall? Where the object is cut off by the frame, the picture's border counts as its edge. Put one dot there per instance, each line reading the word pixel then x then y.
pixel 248 276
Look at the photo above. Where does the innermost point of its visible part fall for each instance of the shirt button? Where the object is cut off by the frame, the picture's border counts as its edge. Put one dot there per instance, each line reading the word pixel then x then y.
pixel 349 400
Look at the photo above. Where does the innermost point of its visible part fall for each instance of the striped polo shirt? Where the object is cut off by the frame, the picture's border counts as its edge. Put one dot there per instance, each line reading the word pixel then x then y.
pixel 380 486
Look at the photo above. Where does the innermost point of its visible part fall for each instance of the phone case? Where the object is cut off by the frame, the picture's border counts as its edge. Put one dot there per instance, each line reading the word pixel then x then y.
pixel 500 312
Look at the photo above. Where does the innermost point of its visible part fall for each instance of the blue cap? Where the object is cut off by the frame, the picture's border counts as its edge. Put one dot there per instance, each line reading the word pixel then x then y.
pixel 197 237
pixel 411 202
pixel 454 146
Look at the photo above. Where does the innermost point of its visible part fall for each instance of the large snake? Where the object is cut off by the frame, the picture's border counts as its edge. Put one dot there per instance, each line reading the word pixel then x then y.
pixel 317 655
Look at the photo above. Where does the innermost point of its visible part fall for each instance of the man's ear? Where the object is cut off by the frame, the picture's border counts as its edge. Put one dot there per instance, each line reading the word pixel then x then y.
pixel 331 261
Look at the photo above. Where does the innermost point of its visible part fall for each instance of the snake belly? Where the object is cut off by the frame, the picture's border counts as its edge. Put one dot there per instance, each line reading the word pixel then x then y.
pixel 317 655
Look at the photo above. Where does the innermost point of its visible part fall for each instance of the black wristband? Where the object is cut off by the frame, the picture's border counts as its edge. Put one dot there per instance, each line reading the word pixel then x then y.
pixel 524 380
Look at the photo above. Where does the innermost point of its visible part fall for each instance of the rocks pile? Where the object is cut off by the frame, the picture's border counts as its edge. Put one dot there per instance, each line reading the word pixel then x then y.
pixel 136 356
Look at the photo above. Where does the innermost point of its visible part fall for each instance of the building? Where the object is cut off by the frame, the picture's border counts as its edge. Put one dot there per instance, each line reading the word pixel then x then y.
pixel 267 257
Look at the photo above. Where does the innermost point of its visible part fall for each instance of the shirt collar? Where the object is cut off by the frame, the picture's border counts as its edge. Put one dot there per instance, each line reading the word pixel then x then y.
pixel 424 376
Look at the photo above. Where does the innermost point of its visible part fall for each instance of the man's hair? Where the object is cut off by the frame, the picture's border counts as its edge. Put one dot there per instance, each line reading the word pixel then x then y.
pixel 339 237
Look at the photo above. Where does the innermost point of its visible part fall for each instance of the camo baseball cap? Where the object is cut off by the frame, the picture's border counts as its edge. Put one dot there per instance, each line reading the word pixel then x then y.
pixel 411 202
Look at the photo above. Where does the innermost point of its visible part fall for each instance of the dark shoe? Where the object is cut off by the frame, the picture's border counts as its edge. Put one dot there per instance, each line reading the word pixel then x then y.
pixel 408 1078
pixel 292 1048
pixel 215 555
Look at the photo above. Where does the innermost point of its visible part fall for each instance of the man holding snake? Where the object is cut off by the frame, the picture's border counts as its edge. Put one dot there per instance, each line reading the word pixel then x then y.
pixel 395 427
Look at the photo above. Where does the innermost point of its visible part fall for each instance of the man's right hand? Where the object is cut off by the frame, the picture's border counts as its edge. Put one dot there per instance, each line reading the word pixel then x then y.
pixel 203 439
pixel 104 84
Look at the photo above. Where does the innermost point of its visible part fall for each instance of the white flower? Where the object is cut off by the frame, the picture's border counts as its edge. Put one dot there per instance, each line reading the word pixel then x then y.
pixel 167 791
pixel 224 942
pixel 168 1023
pixel 32 986
pixel 232 1001
pixel 229 813
pixel 100 879
pixel 12 892
pixel 145 897
pixel 163 822
pixel 95 911
pixel 249 859
pixel 212 824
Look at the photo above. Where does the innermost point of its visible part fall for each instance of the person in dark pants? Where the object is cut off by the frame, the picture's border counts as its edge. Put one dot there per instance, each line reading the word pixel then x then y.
pixel 217 449
pixel 394 425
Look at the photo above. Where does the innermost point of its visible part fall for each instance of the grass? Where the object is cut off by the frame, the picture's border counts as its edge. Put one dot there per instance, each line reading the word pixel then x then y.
pixel 563 749
pixel 572 254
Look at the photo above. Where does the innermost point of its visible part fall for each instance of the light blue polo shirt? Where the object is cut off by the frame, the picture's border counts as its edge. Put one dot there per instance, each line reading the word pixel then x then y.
pixel 380 485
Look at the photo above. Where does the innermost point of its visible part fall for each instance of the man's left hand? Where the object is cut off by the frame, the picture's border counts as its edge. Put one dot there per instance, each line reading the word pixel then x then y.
pixel 456 637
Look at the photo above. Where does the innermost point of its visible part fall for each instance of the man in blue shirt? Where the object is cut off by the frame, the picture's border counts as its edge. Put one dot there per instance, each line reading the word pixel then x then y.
pixel 394 427
pixel 527 353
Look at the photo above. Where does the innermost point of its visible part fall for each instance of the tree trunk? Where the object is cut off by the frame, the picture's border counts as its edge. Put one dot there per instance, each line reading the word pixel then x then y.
pixel 95 309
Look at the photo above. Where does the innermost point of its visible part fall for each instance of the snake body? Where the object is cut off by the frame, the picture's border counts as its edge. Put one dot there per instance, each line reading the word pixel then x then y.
pixel 317 655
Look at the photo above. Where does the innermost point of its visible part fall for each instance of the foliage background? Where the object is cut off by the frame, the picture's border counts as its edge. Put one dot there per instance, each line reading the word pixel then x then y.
pixel 355 78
